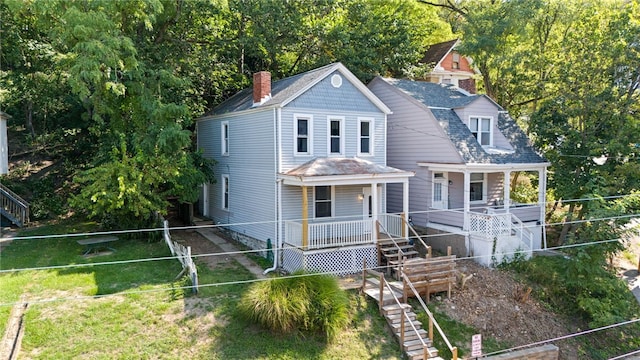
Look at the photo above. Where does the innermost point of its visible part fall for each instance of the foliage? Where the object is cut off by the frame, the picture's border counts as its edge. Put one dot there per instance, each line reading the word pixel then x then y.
pixel 306 302
pixel 577 286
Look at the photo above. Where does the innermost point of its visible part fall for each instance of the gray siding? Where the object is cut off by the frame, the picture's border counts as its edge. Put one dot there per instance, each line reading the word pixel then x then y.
pixel 251 169
pixel 413 135
pixel 485 108
pixel 324 96
pixel 347 205
pixel 495 190
pixel 320 135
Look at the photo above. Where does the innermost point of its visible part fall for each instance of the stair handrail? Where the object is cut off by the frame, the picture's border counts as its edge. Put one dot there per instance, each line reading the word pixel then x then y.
pixel 384 230
pixel 15 197
pixel 383 280
pixel 23 213
pixel 432 319
pixel 415 233
pixel 522 228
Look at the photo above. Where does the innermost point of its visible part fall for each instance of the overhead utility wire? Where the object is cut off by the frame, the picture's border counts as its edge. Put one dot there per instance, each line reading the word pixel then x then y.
pixel 300 247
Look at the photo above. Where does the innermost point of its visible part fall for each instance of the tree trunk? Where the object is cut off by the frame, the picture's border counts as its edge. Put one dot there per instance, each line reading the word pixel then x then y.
pixel 567 224
pixel 29 118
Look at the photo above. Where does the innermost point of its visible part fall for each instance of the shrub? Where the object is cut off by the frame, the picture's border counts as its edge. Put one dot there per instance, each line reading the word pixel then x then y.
pixel 304 302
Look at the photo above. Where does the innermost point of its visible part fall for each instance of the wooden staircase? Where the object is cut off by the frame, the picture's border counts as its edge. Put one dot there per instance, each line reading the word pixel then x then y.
pixel 415 341
pixel 392 251
pixel 13 207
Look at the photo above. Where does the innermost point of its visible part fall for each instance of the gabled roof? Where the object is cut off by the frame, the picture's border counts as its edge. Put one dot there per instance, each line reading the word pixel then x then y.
pixel 437 95
pixel 441 100
pixel 436 52
pixel 288 89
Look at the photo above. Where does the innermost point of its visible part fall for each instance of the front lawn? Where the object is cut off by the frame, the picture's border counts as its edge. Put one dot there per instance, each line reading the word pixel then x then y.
pixel 138 310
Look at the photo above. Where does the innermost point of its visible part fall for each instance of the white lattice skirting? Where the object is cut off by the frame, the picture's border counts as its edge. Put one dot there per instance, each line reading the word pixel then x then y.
pixel 339 261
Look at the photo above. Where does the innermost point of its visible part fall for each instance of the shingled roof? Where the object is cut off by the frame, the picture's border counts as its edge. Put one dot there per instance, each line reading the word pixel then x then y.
pixel 437 52
pixel 442 99
pixel 341 166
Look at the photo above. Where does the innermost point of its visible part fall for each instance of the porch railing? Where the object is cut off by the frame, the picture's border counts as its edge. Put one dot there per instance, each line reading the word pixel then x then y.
pixel 330 234
pixel 13 207
pixel 491 225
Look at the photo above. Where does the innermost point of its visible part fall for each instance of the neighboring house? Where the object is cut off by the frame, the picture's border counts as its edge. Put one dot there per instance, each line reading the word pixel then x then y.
pixel 4 141
pixel 448 66
pixel 301 166
pixel 464 149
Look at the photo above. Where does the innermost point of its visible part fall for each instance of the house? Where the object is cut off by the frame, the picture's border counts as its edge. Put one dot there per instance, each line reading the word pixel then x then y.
pixel 447 66
pixel 302 169
pixel 464 149
pixel 4 147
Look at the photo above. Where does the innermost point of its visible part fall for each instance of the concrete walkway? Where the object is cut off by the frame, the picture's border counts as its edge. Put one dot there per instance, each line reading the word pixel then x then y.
pixel 227 246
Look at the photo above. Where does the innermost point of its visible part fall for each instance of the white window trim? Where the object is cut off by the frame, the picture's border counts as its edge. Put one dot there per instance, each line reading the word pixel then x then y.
pixel 370 120
pixel 333 203
pixel 225 192
pixel 224 141
pixel 309 119
pixel 484 189
pixel 490 128
pixel 342 135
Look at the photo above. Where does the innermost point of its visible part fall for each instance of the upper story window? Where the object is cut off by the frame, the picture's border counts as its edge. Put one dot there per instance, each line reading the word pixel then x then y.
pixel 224 131
pixel 322 201
pixel 455 64
pixel 303 125
pixel 225 192
pixel 336 135
pixel 365 136
pixel 478 188
pixel 481 128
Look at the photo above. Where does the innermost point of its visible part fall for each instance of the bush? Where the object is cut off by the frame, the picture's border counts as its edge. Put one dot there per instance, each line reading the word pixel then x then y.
pixel 304 302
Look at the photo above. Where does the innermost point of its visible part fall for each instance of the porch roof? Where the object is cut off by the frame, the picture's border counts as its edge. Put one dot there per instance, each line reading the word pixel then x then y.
pixel 342 171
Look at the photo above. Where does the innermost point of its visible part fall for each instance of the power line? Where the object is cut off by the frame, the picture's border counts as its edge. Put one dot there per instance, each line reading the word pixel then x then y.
pixel 625 355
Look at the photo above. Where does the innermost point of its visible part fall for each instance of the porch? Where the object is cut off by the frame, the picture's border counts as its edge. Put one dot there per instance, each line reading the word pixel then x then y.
pixel 337 246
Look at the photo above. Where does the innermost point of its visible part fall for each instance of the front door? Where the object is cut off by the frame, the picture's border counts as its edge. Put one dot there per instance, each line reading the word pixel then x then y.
pixel 440 193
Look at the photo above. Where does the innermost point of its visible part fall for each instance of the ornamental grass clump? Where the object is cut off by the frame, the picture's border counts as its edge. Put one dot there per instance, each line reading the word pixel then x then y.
pixel 304 302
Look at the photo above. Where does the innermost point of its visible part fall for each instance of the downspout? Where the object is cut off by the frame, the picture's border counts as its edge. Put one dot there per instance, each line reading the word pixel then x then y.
pixel 278 188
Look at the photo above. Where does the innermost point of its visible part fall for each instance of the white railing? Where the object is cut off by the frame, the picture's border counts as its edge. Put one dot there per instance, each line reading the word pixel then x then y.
pixel 392 223
pixel 491 225
pixel 330 234
pixel 183 253
pixel 524 234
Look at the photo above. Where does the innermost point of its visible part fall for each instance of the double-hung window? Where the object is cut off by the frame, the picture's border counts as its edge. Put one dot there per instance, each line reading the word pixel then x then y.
pixel 322 201
pixel 225 192
pixel 224 131
pixel 365 136
pixel 477 188
pixel 336 135
pixel 481 128
pixel 303 125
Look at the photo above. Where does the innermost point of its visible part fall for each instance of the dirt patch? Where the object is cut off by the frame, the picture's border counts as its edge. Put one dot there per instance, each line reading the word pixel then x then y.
pixel 502 308
pixel 201 247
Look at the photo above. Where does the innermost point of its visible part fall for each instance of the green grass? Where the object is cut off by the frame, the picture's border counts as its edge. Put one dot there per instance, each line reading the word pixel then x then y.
pixel 139 310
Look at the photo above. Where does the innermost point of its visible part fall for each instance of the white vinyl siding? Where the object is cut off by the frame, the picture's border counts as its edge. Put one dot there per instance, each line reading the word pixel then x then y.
pixel 413 135
pixel 365 136
pixel 335 136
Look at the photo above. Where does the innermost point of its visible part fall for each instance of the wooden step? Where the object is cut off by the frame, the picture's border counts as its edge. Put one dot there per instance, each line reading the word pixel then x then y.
pixel 412 335
pixel 394 318
pixel 419 354
pixel 395 285
pixel 416 344
pixel 407 254
pixel 391 249
pixel 407 326
pixel 387 296
pixel 395 309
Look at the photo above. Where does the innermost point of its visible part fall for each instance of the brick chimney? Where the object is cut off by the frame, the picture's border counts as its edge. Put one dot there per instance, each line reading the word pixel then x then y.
pixel 261 87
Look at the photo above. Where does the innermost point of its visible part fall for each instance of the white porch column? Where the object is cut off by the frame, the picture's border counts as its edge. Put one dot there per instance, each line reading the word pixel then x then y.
pixel 374 202
pixel 542 201
pixel 467 193
pixel 507 190
pixel 405 204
